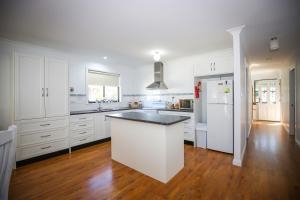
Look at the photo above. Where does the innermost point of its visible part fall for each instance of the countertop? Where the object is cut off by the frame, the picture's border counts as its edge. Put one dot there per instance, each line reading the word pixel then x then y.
pixel 149 118
pixel 120 109
pixel 177 110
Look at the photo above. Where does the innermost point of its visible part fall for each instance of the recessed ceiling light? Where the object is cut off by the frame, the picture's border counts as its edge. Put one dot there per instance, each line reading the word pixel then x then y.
pixel 105 57
pixel 156 56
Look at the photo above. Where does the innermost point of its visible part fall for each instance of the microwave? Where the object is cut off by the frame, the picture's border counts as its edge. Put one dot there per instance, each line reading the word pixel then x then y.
pixel 186 104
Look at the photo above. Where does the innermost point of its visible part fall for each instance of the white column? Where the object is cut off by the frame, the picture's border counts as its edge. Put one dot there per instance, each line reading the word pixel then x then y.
pixel 238 95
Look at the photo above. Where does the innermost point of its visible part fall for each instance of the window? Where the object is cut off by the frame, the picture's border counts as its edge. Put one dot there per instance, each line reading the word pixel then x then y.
pixel 264 93
pixel 103 86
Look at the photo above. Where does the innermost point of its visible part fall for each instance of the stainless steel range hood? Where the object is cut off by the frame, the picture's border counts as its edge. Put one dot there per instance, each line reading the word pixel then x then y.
pixel 158 78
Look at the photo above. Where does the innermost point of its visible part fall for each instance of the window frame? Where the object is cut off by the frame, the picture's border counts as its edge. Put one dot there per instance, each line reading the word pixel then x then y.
pixel 102 72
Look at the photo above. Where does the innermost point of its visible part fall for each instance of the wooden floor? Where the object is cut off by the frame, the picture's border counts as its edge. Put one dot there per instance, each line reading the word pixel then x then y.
pixel 271 170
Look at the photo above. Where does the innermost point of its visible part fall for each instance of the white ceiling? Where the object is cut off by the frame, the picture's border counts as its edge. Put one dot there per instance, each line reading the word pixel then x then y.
pixel 128 30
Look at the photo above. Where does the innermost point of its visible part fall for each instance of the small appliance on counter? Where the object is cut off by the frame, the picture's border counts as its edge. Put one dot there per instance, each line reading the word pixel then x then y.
pixel 135 104
pixel 186 104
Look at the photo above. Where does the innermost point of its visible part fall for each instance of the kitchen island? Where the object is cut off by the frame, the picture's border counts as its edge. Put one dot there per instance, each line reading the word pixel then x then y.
pixel 152 144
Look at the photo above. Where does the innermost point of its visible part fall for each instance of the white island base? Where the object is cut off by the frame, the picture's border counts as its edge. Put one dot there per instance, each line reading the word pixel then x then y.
pixel 152 149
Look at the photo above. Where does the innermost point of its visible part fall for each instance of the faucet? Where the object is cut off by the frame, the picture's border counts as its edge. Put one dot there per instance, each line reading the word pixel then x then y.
pixel 99 105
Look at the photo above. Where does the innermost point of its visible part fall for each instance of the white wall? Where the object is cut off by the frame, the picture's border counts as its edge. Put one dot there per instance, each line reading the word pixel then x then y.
pixel 178 76
pixel 297 132
pixel 5 85
pixel 77 66
pixel 284 98
pixel 249 99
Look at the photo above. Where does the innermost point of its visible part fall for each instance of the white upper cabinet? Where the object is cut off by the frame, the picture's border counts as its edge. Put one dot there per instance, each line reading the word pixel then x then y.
pixel 41 87
pixel 56 88
pixel 29 86
pixel 220 62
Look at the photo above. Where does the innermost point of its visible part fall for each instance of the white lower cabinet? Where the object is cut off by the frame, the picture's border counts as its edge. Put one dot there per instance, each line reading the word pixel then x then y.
pixel 41 136
pixel 189 125
pixel 85 128
pixel 81 129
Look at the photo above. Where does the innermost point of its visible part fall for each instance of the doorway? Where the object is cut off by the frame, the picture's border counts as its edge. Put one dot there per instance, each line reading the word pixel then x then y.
pixel 267 99
pixel 292 102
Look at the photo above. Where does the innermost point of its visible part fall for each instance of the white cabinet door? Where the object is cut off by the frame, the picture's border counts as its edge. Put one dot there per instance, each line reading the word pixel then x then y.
pixel 99 126
pixel 203 66
pixel 223 62
pixel 29 86
pixel 220 62
pixel 56 88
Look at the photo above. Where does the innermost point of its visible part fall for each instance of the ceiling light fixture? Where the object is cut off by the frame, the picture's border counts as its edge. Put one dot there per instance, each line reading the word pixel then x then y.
pixel 105 57
pixel 156 56
pixel 274 44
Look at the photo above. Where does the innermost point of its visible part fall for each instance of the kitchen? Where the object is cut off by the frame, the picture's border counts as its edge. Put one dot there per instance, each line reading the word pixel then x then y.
pixel 92 110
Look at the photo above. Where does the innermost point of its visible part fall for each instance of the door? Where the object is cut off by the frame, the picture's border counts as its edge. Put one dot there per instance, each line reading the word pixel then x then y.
pixel 267 97
pixel 292 102
pixel 56 88
pixel 29 86
pixel 100 125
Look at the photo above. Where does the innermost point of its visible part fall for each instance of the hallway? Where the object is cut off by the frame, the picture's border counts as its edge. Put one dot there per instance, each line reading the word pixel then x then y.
pixel 272 162
pixel 271 170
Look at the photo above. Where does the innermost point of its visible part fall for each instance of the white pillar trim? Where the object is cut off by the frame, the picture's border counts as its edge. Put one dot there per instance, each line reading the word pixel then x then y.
pixel 238 152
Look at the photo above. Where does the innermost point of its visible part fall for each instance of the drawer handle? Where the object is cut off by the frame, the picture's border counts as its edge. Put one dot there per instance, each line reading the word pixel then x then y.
pixel 82 118
pixel 82 139
pixel 45 124
pixel 83 132
pixel 82 125
pixel 44 136
pixel 46 147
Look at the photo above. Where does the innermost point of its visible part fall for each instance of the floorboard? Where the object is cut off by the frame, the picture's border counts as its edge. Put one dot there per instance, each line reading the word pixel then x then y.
pixel 271 170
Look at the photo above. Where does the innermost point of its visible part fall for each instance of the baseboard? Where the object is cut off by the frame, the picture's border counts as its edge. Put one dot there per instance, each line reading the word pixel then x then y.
pixel 249 131
pixel 189 142
pixel 90 144
pixel 286 127
pixel 297 142
pixel 239 162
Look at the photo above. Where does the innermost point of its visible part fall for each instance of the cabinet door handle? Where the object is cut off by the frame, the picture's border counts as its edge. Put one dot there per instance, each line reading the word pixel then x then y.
pixel 82 125
pixel 214 66
pixel 83 132
pixel 82 140
pixel 45 124
pixel 43 92
pixel 44 136
pixel 210 66
pixel 82 118
pixel 47 93
pixel 46 147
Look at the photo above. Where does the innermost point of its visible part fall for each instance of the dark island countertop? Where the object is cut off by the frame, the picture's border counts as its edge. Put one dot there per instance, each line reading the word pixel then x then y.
pixel 80 112
pixel 149 118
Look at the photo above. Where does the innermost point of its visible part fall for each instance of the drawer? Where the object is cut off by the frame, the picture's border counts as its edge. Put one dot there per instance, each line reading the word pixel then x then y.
pixel 40 137
pixel 189 137
pixel 189 130
pixel 80 133
pixel 37 150
pixel 191 115
pixel 32 125
pixel 82 125
pixel 81 118
pixel 82 140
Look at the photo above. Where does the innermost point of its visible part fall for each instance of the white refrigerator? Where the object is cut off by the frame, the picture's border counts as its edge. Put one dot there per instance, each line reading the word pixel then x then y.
pixel 220 115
